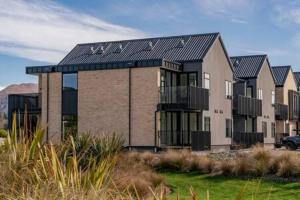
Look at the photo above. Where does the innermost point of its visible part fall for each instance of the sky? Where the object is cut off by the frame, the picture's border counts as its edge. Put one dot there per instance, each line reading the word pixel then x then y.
pixel 42 32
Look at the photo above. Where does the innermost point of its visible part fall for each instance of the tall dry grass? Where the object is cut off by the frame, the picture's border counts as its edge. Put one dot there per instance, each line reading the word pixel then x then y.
pixel 84 168
pixel 258 162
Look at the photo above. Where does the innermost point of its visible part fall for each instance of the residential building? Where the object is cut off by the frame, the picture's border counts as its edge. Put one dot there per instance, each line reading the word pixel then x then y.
pixel 254 97
pixel 155 92
pixel 286 102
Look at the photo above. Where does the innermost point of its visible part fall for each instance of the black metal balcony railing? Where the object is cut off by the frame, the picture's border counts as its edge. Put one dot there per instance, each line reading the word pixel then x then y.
pixel 197 140
pixel 174 138
pixel 281 111
pixel 247 106
pixel 183 97
pixel 246 139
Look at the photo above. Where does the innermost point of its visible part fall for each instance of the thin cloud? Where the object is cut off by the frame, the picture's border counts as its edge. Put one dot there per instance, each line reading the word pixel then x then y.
pixel 43 30
pixel 235 10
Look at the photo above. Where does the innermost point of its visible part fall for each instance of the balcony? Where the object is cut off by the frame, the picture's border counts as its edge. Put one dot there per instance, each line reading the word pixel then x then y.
pixel 24 104
pixel 183 98
pixel 294 105
pixel 247 106
pixel 281 111
pixel 197 140
pixel 246 140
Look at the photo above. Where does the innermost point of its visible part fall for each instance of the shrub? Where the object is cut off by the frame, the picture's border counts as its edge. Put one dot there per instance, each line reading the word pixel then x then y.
pixel 3 133
pixel 287 165
pixel 263 159
pixel 243 165
pixel 225 167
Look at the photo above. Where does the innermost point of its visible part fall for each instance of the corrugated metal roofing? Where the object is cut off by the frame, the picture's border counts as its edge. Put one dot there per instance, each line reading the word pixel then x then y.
pixel 280 74
pixel 176 48
pixel 247 66
pixel 297 77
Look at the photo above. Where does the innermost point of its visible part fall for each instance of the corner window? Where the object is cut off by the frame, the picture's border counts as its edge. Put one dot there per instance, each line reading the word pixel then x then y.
pixel 273 129
pixel 260 94
pixel 228 127
pixel 69 105
pixel 206 124
pixel 228 89
pixel 265 129
pixel 273 97
pixel 70 82
pixel 206 81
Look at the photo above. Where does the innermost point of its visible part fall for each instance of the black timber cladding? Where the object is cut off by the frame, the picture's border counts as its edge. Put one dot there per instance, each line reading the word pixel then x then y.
pixel 175 48
pixel 247 66
pixel 103 66
pixel 280 74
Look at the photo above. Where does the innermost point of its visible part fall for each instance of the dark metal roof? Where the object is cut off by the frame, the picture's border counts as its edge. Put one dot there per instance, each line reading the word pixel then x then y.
pixel 247 66
pixel 297 78
pixel 280 74
pixel 176 48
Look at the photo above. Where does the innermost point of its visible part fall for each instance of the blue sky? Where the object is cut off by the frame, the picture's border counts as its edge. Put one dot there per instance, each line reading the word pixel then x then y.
pixel 39 32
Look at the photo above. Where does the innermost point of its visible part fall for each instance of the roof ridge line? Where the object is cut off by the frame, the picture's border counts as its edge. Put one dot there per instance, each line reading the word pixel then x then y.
pixel 150 38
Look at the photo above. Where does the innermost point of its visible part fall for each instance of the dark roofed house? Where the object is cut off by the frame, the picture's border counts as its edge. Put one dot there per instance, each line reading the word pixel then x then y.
pixel 297 77
pixel 254 96
pixel 286 93
pixel 154 92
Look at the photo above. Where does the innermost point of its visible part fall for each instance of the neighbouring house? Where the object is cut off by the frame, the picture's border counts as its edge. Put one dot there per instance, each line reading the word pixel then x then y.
pixel 155 92
pixel 286 102
pixel 254 97
pixel 297 78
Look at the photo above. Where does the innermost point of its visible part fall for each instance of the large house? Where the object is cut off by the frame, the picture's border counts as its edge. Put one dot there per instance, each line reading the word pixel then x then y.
pixel 254 92
pixel 287 102
pixel 167 92
pixel 154 92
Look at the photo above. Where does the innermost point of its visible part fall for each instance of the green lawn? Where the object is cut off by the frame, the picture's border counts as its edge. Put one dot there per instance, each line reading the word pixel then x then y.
pixel 224 188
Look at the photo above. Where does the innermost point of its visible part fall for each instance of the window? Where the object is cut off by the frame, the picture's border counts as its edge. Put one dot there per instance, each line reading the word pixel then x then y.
pixel 260 94
pixel 228 89
pixel 228 127
pixel 265 129
pixel 249 92
pixel 206 124
pixel 273 97
pixel 70 82
pixel 69 105
pixel 69 126
pixel 273 129
pixel 206 81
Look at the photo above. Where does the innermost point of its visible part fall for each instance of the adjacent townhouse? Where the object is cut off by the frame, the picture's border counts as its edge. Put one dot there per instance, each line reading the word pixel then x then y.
pixel 254 99
pixel 297 78
pixel 154 92
pixel 286 102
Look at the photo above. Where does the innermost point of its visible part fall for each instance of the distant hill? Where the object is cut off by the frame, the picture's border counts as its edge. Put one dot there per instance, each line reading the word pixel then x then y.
pixel 15 89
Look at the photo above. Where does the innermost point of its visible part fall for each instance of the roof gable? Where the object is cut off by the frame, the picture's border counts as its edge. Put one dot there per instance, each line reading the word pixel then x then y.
pixel 297 78
pixel 280 74
pixel 247 66
pixel 176 48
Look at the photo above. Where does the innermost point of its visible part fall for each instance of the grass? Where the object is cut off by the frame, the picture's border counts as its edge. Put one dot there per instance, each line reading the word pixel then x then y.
pixel 226 188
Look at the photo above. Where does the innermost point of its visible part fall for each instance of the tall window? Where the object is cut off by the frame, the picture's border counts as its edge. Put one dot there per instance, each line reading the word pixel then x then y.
pixel 69 105
pixel 228 127
pixel 273 129
pixel 228 89
pixel 273 97
pixel 265 129
pixel 260 94
pixel 206 81
pixel 206 124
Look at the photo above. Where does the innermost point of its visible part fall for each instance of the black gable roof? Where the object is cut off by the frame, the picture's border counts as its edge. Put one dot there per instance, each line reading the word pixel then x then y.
pixel 297 78
pixel 176 48
pixel 247 66
pixel 280 74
